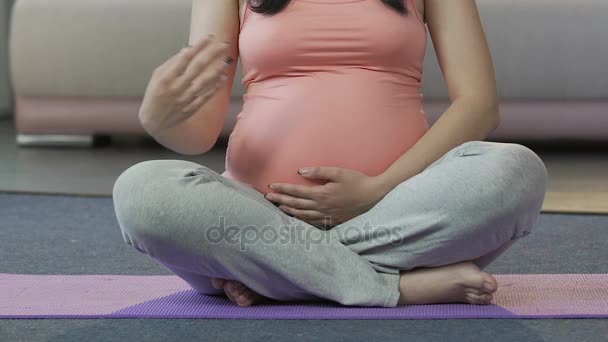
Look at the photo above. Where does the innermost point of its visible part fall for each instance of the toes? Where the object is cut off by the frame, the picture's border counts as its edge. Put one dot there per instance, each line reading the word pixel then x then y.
pixel 243 296
pixel 229 295
pixel 239 294
pixel 489 284
pixel 475 291
pixel 246 298
pixel 488 298
pixel 235 288
pixel 249 297
pixel 218 283
pixel 479 299
pixel 231 291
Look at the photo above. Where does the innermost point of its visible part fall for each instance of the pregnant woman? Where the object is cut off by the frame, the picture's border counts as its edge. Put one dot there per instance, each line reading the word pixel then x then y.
pixel 336 188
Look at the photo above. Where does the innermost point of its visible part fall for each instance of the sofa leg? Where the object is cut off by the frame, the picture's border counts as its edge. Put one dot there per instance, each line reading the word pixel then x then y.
pixel 55 140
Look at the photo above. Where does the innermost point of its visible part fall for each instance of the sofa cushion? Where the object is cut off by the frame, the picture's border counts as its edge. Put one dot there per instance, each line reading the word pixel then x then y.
pixel 548 55
pixel 544 49
pixel 100 48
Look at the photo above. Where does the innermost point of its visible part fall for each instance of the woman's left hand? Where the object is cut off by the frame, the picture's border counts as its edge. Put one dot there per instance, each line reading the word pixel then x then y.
pixel 347 194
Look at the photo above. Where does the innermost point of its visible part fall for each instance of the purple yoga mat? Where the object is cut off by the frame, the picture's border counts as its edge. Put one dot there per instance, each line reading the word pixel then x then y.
pixel 120 296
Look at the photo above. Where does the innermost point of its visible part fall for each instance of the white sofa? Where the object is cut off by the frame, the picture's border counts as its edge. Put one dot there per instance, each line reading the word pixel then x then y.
pixel 80 67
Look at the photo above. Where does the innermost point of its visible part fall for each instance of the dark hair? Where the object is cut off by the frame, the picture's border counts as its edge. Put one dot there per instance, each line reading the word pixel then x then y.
pixel 275 6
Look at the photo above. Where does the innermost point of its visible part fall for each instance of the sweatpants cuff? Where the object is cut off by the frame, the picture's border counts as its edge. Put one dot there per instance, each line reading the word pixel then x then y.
pixel 392 289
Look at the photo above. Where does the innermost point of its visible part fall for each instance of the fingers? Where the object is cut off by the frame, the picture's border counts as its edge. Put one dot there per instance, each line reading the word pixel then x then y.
pixel 177 65
pixel 185 56
pixel 200 98
pixel 294 202
pixel 197 101
pixel 169 74
pixel 203 87
pixel 216 52
pixel 302 191
pixel 306 215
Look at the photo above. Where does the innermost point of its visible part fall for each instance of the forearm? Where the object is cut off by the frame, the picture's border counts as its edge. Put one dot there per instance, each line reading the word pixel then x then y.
pixel 183 138
pixel 197 134
pixel 460 123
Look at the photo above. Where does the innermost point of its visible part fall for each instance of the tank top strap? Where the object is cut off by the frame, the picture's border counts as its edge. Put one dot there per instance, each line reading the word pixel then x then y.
pixel 414 8
pixel 245 15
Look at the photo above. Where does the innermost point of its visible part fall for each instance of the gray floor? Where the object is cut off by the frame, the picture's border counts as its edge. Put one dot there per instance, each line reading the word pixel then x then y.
pixel 45 234
pixel 86 171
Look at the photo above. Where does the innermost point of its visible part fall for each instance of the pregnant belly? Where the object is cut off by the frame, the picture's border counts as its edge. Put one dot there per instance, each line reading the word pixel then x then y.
pixel 276 136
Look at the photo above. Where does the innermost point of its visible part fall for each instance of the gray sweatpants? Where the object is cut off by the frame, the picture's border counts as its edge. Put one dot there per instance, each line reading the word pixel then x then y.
pixel 471 204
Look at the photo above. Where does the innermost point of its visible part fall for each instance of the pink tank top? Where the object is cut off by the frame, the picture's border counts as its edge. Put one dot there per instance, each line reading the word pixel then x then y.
pixel 328 83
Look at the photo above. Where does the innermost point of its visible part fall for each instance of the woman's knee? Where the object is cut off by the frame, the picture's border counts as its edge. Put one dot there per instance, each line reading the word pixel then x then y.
pixel 132 178
pixel 133 199
pixel 136 183
pixel 526 177
pixel 511 183
pixel 143 193
pixel 147 174
pixel 512 174
pixel 526 171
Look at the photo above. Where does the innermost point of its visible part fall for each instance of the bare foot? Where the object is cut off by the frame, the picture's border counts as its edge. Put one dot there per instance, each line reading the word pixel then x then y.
pixel 237 292
pixel 461 282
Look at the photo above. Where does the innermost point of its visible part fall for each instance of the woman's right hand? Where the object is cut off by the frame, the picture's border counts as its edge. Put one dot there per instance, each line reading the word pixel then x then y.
pixel 184 83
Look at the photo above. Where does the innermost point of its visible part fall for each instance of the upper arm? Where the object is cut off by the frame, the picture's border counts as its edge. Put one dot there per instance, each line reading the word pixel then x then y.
pixel 221 19
pixel 462 50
